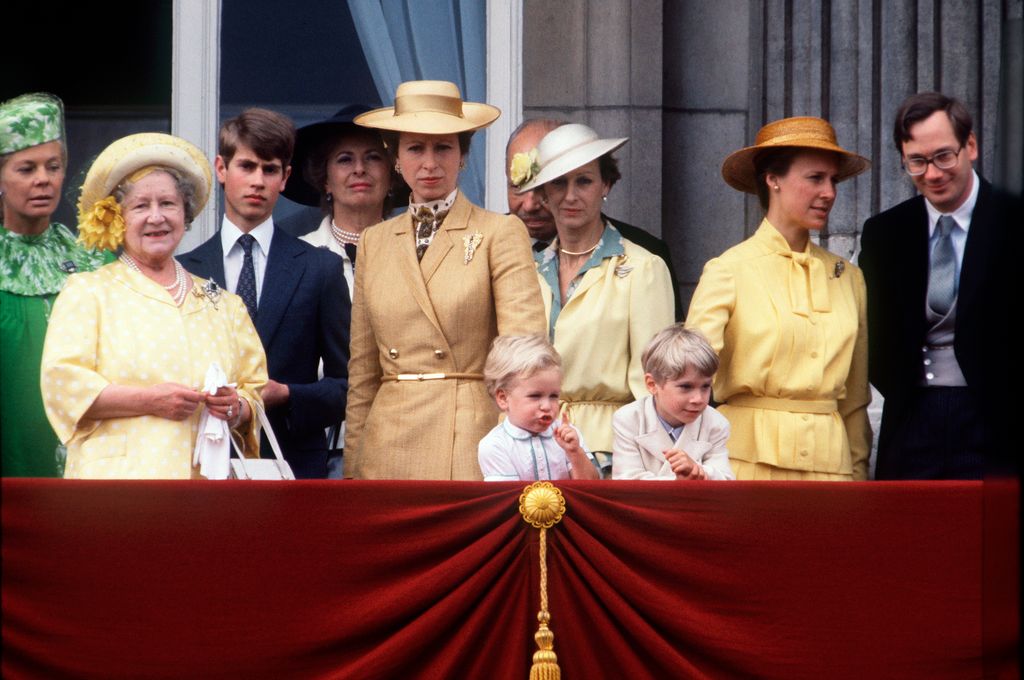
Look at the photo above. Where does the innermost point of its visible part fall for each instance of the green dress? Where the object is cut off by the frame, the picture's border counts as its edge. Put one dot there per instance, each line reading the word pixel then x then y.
pixel 33 269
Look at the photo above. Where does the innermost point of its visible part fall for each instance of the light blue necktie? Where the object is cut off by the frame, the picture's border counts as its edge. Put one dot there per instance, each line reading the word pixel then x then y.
pixel 942 274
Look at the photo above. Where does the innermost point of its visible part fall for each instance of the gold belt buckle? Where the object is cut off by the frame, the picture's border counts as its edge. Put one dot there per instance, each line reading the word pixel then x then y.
pixel 420 376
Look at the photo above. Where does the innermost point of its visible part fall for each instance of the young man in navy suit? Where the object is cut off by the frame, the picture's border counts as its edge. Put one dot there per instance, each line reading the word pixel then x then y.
pixel 939 269
pixel 295 293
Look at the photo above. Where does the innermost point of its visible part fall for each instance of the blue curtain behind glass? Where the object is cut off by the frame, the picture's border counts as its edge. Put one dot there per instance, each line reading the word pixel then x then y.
pixel 436 40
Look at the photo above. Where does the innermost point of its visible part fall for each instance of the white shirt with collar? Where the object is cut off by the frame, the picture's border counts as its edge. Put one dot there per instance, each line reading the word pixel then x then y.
pixel 509 453
pixel 962 217
pixel 234 256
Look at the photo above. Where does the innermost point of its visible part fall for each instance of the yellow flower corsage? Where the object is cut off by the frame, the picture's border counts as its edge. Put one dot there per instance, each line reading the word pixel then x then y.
pixel 103 226
pixel 524 167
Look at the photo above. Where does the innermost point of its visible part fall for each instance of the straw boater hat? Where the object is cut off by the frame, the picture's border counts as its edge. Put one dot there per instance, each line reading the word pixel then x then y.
pixel 307 139
pixel 433 107
pixel 801 133
pixel 99 216
pixel 566 148
pixel 30 120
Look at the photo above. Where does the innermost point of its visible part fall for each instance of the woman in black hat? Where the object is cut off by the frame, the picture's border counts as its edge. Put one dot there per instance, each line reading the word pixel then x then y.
pixel 344 169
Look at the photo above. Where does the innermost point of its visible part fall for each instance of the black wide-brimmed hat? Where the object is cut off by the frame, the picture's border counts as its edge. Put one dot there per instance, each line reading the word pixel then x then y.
pixel 309 138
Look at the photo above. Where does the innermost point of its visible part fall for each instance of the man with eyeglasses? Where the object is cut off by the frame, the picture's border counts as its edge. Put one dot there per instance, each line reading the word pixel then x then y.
pixel 939 269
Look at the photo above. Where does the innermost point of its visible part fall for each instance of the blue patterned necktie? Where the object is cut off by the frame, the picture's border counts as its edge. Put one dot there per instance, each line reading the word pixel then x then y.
pixel 942 272
pixel 246 288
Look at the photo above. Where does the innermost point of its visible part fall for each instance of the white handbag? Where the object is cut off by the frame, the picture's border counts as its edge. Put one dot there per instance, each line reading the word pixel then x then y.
pixel 261 468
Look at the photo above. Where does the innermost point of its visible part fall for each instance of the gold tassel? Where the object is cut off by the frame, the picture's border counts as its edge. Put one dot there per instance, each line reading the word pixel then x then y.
pixel 542 506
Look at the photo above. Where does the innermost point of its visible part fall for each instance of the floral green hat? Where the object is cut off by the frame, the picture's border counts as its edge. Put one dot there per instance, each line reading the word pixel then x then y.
pixel 30 120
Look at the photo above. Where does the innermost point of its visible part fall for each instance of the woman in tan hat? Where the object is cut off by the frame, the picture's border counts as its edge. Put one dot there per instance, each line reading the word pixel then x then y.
pixel 140 355
pixel 788 317
pixel 36 257
pixel 605 296
pixel 433 288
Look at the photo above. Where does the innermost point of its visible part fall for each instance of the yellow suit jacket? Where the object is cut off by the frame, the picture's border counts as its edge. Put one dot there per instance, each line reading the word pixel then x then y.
pixel 438 315
pixel 790 327
pixel 601 332
pixel 115 325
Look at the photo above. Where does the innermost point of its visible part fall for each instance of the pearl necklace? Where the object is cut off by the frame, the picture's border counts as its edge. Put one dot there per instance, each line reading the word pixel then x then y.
pixel 177 288
pixel 343 236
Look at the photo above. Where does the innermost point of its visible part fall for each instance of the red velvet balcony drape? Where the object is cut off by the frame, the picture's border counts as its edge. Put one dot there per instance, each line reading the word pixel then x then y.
pixel 439 580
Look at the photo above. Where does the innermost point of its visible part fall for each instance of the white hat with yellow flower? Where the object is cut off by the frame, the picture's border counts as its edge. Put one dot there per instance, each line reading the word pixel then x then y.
pixel 100 223
pixel 564 149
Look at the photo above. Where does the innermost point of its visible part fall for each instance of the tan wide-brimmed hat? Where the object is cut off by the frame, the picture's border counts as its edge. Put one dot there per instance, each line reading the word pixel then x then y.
pixel 433 107
pixel 566 148
pixel 100 223
pixel 803 132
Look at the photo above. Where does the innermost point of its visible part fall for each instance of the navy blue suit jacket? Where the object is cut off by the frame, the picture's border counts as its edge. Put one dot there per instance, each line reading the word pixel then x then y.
pixel 303 317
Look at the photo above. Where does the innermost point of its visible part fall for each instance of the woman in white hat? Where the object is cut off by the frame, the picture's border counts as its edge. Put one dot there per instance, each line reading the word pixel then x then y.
pixel 605 297
pixel 131 347
pixel 36 257
pixel 434 287
pixel 788 317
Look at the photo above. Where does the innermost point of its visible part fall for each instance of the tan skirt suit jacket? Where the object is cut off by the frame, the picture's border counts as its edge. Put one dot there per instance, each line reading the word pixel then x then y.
pixel 439 315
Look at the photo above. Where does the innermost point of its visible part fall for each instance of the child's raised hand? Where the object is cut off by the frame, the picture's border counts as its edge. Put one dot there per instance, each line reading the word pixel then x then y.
pixel 684 466
pixel 567 436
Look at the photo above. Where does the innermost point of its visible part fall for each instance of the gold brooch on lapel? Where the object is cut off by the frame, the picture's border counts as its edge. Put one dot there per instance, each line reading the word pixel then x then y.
pixel 840 268
pixel 623 268
pixel 471 242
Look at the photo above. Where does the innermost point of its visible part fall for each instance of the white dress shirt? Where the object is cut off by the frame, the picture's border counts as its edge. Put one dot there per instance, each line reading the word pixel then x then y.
pixel 234 256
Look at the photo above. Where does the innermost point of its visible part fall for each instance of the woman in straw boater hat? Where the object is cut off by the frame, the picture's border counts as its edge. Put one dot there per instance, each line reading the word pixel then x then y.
pixel 434 286
pixel 605 297
pixel 131 345
pixel 36 258
pixel 788 317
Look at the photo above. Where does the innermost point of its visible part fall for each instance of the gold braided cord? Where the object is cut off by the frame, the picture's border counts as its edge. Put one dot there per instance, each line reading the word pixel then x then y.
pixel 542 506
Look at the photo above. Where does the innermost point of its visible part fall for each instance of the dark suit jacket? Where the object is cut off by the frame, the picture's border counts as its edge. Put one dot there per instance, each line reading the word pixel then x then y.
pixel 894 258
pixel 302 222
pixel 655 245
pixel 303 316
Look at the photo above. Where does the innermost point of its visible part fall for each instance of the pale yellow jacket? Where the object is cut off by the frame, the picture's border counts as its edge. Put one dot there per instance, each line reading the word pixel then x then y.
pixel 114 325
pixel 438 315
pixel 601 332
pixel 791 331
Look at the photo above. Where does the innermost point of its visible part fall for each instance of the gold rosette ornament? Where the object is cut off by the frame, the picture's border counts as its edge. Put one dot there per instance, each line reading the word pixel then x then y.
pixel 542 506
pixel 102 227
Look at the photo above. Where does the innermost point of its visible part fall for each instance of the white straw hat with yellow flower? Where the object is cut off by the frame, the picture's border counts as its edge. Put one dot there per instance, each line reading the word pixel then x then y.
pixel 564 149
pixel 100 224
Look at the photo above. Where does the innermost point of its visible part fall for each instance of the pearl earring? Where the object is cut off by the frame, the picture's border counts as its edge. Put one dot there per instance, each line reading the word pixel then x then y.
pixel 398 168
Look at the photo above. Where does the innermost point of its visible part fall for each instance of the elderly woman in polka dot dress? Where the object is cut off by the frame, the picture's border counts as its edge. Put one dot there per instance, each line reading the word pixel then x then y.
pixel 129 346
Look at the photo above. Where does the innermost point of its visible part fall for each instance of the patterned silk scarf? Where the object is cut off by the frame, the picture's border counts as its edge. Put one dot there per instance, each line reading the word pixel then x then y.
pixel 427 219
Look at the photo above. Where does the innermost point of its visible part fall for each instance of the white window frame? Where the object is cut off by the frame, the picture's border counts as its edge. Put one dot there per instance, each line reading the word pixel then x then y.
pixel 195 92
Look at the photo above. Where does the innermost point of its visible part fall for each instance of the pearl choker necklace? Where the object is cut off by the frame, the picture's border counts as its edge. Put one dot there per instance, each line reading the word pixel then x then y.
pixel 343 236
pixel 177 288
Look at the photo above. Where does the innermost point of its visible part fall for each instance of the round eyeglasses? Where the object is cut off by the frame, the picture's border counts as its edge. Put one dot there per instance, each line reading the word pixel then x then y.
pixel 943 160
